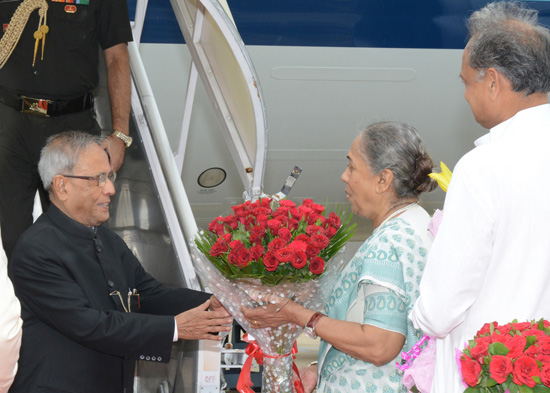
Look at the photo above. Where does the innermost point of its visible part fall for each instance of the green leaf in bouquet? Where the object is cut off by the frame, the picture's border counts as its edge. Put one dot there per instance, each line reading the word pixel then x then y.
pixel 513 388
pixel 498 349
pixel 541 389
pixel 470 389
pixel 342 236
pixel 487 382
pixel 530 340
pixel 525 389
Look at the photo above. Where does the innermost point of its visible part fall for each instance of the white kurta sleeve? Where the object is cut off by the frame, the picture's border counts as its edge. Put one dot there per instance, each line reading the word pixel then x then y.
pixel 458 259
pixel 10 327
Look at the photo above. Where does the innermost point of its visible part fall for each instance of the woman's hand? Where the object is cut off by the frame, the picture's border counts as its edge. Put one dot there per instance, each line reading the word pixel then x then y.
pixel 270 315
pixel 309 377
pixel 201 324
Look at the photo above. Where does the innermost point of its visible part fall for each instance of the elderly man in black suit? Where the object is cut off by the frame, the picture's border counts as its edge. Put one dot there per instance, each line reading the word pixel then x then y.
pixel 88 306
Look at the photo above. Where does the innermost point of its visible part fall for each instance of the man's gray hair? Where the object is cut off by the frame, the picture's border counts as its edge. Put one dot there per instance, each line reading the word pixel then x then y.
pixel 506 36
pixel 398 147
pixel 62 152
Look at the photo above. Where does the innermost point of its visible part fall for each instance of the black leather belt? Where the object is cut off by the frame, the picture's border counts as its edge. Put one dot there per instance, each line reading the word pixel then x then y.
pixel 45 107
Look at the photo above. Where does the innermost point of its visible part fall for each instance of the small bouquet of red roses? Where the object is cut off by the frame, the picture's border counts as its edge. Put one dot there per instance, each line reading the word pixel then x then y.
pixel 266 251
pixel 510 358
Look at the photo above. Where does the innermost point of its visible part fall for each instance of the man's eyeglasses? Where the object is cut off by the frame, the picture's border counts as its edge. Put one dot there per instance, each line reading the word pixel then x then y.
pixel 101 178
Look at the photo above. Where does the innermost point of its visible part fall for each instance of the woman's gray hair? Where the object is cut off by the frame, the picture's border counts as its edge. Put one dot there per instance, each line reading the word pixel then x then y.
pixel 398 147
pixel 506 36
pixel 61 154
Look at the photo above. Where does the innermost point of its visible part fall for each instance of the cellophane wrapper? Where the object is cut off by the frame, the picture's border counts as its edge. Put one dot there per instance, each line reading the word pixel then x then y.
pixel 276 342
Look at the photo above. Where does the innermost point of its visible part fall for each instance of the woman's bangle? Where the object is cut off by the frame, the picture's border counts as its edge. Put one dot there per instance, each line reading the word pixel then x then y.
pixel 315 363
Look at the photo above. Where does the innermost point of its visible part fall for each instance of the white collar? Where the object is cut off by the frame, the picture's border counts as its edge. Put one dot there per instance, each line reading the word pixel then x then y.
pixel 498 131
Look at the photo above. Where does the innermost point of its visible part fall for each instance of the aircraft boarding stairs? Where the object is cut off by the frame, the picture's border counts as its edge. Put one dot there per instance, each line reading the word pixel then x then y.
pixel 150 210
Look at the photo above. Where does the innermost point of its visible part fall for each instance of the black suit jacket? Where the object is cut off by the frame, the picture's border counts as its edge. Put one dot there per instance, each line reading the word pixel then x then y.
pixel 77 336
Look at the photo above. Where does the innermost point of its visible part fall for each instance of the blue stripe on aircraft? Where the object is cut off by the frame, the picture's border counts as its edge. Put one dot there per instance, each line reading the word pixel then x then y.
pixel 337 23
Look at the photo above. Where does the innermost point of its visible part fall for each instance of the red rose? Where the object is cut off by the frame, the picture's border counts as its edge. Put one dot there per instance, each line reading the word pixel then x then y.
pixel 298 245
pixel 305 211
pixel 543 359
pixel 311 251
pixel 532 351
pixel 274 226
pixel 516 345
pixel 319 209
pixel 232 257
pixel 286 203
pixel 303 238
pixel 313 218
pixel 299 259
pixel 243 257
pixel 257 231
pixel 307 202
pixel 240 210
pixel 544 345
pixel 534 332
pixel 296 214
pixel 284 233
pixel 257 251
pixel 284 255
pixel 261 211
pixel 319 241
pixel 499 338
pixel 249 222
pixel 217 226
pixel 276 244
pixel 525 368
pixel 224 238
pixel 471 371
pixel 500 368
pixel 232 221
pixel 282 219
pixel 218 249
pixel 270 261
pixel 293 224
pixel 282 211
pixel 331 231
pixel 334 220
pixel 236 244
pixel 479 351
pixel 314 229
pixel 545 374
pixel 316 265
pixel 504 330
pixel 261 219
pixel 263 202
pixel 522 326
pixel 253 239
pixel 485 329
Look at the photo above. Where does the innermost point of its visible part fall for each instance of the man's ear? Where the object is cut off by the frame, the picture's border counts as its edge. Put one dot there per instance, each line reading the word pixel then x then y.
pixel 385 179
pixel 493 80
pixel 59 187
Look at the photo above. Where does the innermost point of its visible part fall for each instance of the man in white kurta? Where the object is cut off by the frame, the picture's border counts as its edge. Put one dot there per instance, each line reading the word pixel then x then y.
pixel 490 260
pixel 10 326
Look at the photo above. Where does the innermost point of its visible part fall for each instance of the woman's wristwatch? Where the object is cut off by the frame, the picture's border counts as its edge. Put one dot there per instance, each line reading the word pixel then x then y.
pixel 309 329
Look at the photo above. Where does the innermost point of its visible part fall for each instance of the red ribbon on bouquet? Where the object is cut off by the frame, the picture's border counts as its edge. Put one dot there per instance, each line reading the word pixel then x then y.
pixel 254 351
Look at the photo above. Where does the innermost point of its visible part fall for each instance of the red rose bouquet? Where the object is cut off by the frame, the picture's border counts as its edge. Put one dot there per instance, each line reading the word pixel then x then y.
pixel 266 250
pixel 511 358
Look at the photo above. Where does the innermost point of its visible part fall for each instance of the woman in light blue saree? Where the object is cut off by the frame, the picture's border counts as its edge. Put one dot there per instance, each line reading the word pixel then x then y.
pixel 364 326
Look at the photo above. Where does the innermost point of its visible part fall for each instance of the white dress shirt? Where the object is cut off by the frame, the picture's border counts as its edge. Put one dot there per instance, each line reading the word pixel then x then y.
pixel 10 326
pixel 490 260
